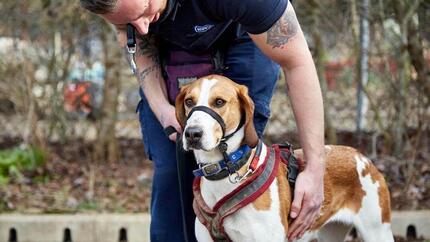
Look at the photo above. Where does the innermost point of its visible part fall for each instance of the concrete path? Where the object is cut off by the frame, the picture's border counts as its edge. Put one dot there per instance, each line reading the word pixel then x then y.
pixel 75 228
pixel 134 227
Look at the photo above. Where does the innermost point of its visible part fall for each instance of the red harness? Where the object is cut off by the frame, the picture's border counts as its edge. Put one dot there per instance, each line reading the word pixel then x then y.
pixel 243 195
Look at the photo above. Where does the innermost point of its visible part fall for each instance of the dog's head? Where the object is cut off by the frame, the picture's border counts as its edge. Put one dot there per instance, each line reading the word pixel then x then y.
pixel 228 99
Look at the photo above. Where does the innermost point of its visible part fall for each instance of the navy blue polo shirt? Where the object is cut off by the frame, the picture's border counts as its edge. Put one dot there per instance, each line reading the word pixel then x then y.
pixel 199 25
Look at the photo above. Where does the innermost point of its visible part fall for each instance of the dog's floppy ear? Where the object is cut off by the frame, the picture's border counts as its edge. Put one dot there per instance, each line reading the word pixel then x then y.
pixel 251 137
pixel 179 106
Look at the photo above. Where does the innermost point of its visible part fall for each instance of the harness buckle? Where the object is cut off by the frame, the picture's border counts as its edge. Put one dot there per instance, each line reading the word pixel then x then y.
pixel 211 169
pixel 233 177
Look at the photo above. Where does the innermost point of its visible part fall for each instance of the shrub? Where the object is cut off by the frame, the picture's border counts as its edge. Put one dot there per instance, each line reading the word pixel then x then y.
pixel 14 161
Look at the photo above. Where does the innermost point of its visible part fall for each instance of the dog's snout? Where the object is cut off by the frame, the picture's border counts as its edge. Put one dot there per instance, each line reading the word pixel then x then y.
pixel 193 134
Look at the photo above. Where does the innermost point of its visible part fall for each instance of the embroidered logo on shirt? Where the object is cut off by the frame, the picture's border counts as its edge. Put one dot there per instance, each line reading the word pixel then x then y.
pixel 202 28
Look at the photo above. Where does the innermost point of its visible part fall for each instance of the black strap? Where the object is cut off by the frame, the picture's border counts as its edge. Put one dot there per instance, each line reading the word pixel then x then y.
pixel 185 165
pixel 287 153
pixel 218 62
pixel 241 123
pixel 131 36
pixel 169 130
pixel 212 113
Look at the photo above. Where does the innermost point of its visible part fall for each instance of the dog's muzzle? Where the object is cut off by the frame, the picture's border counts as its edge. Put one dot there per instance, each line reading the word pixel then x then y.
pixel 195 134
pixel 212 113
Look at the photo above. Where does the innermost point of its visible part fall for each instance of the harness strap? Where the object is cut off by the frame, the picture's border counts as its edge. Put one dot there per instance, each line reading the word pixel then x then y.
pixel 294 165
pixel 246 193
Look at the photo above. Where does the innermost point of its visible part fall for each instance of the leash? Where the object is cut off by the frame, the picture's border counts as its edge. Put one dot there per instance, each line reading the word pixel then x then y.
pixel 184 167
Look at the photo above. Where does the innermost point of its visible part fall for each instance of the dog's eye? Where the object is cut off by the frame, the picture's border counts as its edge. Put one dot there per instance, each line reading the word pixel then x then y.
pixel 189 102
pixel 219 102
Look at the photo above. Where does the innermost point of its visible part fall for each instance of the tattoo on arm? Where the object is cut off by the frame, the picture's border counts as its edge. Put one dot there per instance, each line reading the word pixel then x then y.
pixel 283 30
pixel 145 73
pixel 148 48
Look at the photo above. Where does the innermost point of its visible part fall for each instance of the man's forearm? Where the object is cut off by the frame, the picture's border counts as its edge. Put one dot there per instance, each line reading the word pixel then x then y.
pixel 306 99
pixel 153 86
pixel 149 76
pixel 148 69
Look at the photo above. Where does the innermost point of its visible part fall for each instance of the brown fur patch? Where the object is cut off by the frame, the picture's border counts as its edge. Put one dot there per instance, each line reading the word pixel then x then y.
pixel 342 187
pixel 191 90
pixel 284 195
pixel 263 202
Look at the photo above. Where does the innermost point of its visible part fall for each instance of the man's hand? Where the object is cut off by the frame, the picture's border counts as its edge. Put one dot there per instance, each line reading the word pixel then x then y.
pixel 167 118
pixel 308 198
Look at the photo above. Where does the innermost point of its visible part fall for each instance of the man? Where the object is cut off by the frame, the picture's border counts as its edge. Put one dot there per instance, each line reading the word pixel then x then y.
pixel 250 34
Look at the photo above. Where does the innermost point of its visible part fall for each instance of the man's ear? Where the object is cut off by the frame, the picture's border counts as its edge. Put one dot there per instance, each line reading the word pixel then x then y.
pixel 179 106
pixel 247 105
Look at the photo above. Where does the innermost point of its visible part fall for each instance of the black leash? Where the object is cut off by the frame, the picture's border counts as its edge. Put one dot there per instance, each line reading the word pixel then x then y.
pixel 185 165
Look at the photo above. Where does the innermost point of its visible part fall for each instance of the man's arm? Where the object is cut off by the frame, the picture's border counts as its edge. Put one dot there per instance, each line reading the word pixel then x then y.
pixel 151 80
pixel 284 42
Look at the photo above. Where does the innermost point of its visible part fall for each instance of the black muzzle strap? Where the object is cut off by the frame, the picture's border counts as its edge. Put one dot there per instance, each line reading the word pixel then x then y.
pixel 222 147
pixel 212 113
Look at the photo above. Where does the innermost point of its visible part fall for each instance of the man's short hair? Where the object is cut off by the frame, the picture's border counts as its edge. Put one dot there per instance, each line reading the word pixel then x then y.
pixel 99 6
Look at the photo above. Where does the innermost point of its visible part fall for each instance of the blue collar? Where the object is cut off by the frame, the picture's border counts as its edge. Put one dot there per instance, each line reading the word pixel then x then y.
pixel 231 165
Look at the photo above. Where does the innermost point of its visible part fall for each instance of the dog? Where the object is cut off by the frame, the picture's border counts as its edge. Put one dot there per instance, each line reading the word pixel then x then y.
pixel 217 118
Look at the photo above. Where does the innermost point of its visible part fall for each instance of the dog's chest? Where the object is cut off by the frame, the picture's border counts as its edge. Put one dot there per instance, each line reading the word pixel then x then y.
pixel 250 223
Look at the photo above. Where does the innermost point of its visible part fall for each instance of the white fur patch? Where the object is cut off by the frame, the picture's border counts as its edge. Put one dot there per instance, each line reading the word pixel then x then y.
pixel 202 119
pixel 369 217
pixel 205 91
pixel 265 226
pixel 344 215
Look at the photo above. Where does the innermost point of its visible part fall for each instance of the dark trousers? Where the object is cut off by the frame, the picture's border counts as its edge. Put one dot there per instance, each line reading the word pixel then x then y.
pixel 247 65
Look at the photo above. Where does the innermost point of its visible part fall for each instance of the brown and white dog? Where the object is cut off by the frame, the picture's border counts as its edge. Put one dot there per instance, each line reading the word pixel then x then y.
pixel 355 193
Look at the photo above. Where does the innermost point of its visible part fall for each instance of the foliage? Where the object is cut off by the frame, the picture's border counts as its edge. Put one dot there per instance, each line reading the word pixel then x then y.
pixel 50 36
pixel 14 161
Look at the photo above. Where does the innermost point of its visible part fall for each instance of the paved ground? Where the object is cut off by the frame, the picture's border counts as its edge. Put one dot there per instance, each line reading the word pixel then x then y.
pixel 135 227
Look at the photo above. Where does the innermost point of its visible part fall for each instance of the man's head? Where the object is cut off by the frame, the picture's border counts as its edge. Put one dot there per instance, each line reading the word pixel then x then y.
pixel 99 6
pixel 139 13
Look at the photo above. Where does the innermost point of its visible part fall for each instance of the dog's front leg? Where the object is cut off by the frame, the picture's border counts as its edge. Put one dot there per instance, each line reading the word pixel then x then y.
pixel 202 233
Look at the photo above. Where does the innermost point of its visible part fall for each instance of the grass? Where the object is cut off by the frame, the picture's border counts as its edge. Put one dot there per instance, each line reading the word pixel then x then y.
pixel 17 160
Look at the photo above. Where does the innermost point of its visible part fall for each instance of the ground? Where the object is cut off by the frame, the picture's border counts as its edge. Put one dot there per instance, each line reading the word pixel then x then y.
pixel 70 182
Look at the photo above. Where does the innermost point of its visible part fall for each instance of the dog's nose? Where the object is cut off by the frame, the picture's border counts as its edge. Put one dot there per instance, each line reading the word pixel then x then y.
pixel 193 134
